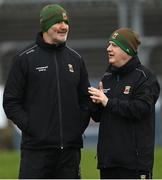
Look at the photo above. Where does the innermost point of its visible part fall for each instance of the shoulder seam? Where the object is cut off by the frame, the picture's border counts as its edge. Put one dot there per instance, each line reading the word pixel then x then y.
pixel 27 50
pixel 141 72
pixel 73 51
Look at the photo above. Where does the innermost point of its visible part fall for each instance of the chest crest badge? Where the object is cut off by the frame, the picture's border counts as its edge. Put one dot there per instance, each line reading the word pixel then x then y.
pixel 71 69
pixel 127 89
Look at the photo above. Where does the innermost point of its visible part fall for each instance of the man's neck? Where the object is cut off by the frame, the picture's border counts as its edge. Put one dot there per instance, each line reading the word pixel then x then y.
pixel 47 39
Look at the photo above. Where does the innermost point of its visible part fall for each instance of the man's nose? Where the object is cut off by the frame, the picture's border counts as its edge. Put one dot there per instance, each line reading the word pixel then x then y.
pixel 109 47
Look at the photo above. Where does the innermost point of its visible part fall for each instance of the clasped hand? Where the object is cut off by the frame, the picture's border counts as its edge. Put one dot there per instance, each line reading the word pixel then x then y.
pixel 97 95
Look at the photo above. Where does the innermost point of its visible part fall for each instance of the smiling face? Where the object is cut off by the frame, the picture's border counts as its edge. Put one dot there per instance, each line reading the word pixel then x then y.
pixel 57 33
pixel 117 57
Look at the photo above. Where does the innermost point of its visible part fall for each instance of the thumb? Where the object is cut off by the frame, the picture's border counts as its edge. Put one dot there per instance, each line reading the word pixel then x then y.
pixel 100 86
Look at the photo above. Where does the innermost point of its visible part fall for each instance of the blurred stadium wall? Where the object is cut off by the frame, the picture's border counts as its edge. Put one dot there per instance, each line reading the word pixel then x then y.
pixel 91 23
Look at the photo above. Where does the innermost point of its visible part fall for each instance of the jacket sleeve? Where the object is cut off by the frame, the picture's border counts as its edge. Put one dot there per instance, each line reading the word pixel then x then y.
pixel 13 97
pixel 83 95
pixel 141 104
pixel 96 111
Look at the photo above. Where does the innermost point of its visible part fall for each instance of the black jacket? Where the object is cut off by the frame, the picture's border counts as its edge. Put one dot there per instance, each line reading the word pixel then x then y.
pixel 46 96
pixel 126 132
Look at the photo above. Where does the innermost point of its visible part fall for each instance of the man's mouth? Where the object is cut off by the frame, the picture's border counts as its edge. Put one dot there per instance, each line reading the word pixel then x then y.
pixel 62 32
pixel 110 55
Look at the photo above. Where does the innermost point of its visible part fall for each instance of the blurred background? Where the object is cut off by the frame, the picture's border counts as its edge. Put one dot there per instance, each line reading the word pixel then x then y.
pixel 91 23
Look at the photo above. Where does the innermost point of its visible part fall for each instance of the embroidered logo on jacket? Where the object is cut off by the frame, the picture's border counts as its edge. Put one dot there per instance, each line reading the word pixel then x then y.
pixel 70 66
pixel 43 68
pixel 127 89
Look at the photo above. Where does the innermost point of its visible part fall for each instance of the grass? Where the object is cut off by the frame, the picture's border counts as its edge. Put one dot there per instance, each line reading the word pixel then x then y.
pixel 89 164
pixel 157 173
pixel 9 164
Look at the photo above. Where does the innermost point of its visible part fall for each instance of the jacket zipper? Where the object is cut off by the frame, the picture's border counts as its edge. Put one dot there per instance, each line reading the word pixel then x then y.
pixel 134 134
pixel 136 146
pixel 117 78
pixel 59 102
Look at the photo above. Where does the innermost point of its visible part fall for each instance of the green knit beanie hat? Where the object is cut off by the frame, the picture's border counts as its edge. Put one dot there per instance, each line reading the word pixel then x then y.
pixel 126 39
pixel 52 14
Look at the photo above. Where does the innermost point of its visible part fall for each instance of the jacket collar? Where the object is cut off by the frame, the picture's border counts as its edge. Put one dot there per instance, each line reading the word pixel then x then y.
pixel 50 47
pixel 128 67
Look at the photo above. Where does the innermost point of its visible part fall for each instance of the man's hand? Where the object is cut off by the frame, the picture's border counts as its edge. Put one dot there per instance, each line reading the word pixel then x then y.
pixel 97 95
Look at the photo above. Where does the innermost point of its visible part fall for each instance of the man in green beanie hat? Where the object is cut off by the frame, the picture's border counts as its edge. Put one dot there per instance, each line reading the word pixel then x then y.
pixel 50 16
pixel 124 104
pixel 46 97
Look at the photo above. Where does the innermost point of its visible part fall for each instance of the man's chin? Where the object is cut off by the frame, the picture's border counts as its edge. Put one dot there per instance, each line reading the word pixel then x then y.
pixel 60 41
pixel 111 61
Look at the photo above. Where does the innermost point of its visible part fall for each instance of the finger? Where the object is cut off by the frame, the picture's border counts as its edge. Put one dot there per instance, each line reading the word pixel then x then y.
pixel 92 89
pixel 96 93
pixel 95 97
pixel 91 92
pixel 100 86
